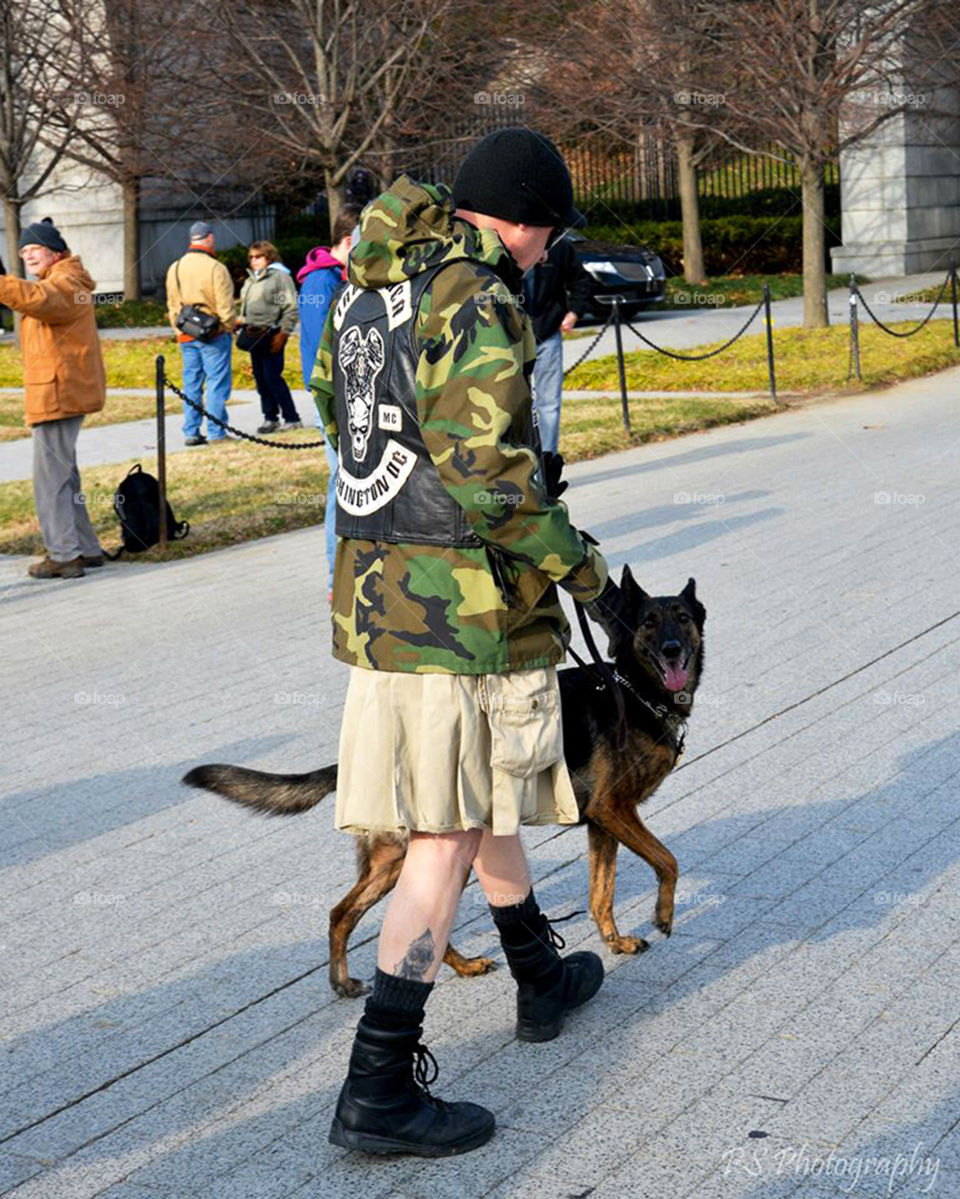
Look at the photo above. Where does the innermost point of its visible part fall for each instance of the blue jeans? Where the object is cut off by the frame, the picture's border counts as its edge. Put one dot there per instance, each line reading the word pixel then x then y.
pixel 275 397
pixel 330 519
pixel 206 361
pixel 547 388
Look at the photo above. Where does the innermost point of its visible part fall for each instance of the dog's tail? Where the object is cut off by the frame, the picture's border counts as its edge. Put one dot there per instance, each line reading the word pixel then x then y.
pixel 275 794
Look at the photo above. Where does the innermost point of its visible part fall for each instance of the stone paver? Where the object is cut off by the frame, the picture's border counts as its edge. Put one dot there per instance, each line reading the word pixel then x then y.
pixel 166 1019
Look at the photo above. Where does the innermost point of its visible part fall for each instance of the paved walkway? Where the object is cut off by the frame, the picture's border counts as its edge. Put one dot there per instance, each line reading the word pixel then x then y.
pixel 166 1021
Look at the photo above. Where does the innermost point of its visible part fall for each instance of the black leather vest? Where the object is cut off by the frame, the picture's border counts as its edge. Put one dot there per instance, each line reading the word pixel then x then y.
pixel 387 486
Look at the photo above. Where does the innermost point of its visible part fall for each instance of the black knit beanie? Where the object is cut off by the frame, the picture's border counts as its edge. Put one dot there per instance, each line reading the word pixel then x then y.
pixel 518 175
pixel 43 233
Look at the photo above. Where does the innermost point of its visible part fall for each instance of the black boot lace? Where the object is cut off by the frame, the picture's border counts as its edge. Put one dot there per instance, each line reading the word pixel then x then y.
pixel 425 1071
pixel 556 940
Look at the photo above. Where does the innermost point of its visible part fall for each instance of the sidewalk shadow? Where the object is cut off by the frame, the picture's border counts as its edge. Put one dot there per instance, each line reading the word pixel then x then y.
pixel 241 987
pixel 99 803
pixel 667 461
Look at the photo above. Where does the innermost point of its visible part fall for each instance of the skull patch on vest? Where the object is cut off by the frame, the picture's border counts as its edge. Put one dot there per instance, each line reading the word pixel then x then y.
pixel 361 360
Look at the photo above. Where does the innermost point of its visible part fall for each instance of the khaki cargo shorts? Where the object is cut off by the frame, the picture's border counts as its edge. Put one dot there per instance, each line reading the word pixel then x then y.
pixel 436 753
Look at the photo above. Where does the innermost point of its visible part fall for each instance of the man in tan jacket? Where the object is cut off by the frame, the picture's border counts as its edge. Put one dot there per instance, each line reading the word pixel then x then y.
pixel 200 278
pixel 63 379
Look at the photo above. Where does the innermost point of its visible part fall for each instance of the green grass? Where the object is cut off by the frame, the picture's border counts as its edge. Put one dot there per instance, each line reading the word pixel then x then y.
pixel 131 363
pixel 808 362
pixel 233 492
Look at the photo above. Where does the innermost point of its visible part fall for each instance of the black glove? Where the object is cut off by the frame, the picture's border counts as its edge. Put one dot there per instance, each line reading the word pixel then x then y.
pixel 612 612
pixel 552 470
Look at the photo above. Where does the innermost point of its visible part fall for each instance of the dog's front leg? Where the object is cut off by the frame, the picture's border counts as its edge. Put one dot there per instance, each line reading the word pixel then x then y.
pixel 626 827
pixel 603 878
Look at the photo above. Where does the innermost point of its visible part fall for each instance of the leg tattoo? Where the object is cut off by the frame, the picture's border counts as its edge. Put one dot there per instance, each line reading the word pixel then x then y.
pixel 418 958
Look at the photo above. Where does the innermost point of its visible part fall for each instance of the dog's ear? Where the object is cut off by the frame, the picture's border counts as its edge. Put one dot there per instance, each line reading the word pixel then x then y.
pixel 689 595
pixel 632 591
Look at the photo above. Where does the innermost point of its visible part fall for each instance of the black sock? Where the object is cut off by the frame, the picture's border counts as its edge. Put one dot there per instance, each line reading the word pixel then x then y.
pixel 396 1002
pixel 525 937
pixel 516 921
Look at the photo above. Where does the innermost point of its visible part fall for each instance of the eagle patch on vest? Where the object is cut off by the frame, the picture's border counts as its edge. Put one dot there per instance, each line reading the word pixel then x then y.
pixel 361 360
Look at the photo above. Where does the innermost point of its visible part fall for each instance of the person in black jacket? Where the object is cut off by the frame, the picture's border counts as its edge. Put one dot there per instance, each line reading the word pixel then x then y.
pixel 558 292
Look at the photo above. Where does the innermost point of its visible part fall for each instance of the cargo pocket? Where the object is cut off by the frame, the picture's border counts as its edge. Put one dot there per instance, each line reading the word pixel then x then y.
pixel 526 733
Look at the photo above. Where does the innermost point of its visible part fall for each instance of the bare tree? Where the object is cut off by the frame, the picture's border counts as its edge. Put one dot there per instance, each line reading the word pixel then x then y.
pixel 323 82
pixel 805 79
pixel 33 45
pixel 134 68
pixel 657 57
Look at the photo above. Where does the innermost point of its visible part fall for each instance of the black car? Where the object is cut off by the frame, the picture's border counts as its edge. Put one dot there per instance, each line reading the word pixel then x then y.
pixel 633 272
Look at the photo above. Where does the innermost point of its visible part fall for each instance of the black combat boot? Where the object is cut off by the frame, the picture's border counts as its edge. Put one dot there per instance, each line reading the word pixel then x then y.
pixel 548 986
pixel 385 1105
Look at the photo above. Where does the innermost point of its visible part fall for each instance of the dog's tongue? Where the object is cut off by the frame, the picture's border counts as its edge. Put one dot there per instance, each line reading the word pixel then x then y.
pixel 675 677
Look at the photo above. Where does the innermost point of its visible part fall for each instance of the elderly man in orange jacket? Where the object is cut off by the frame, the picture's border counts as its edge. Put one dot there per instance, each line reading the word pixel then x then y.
pixel 63 380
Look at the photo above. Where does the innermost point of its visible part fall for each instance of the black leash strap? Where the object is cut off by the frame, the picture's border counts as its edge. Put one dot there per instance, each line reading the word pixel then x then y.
pixel 604 677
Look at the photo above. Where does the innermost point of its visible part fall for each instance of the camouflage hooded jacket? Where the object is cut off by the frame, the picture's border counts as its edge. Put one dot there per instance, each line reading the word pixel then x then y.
pixel 410 607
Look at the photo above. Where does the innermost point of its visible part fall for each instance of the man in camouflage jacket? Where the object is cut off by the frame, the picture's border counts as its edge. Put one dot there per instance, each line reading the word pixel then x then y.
pixel 449 560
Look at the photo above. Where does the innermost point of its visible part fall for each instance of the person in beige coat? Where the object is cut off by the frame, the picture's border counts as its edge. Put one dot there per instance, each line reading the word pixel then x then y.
pixel 64 379
pixel 200 278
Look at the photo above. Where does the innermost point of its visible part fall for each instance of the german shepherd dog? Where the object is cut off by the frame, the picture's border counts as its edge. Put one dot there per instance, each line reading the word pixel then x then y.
pixel 617 752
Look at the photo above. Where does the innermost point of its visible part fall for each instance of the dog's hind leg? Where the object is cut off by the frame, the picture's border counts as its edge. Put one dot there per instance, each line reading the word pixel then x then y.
pixel 603 877
pixel 626 826
pixel 379 871
pixel 467 967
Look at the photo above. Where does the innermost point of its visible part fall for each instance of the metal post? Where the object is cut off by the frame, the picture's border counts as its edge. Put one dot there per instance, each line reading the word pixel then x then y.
pixel 620 366
pixel 854 326
pixel 161 455
pixel 769 319
pixel 953 300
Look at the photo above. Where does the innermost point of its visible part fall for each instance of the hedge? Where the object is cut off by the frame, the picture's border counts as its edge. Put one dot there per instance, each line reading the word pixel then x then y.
pixel 741 245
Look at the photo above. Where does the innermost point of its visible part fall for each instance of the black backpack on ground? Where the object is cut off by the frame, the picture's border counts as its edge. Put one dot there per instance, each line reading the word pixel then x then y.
pixel 136 502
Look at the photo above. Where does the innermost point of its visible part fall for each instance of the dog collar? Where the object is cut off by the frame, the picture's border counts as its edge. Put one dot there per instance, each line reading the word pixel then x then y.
pixel 673 725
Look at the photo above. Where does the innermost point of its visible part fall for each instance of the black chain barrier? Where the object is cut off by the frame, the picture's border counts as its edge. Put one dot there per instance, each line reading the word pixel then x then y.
pixel 277 445
pixel 855 291
pixel 698 357
pixel 591 347
pixel 853 367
